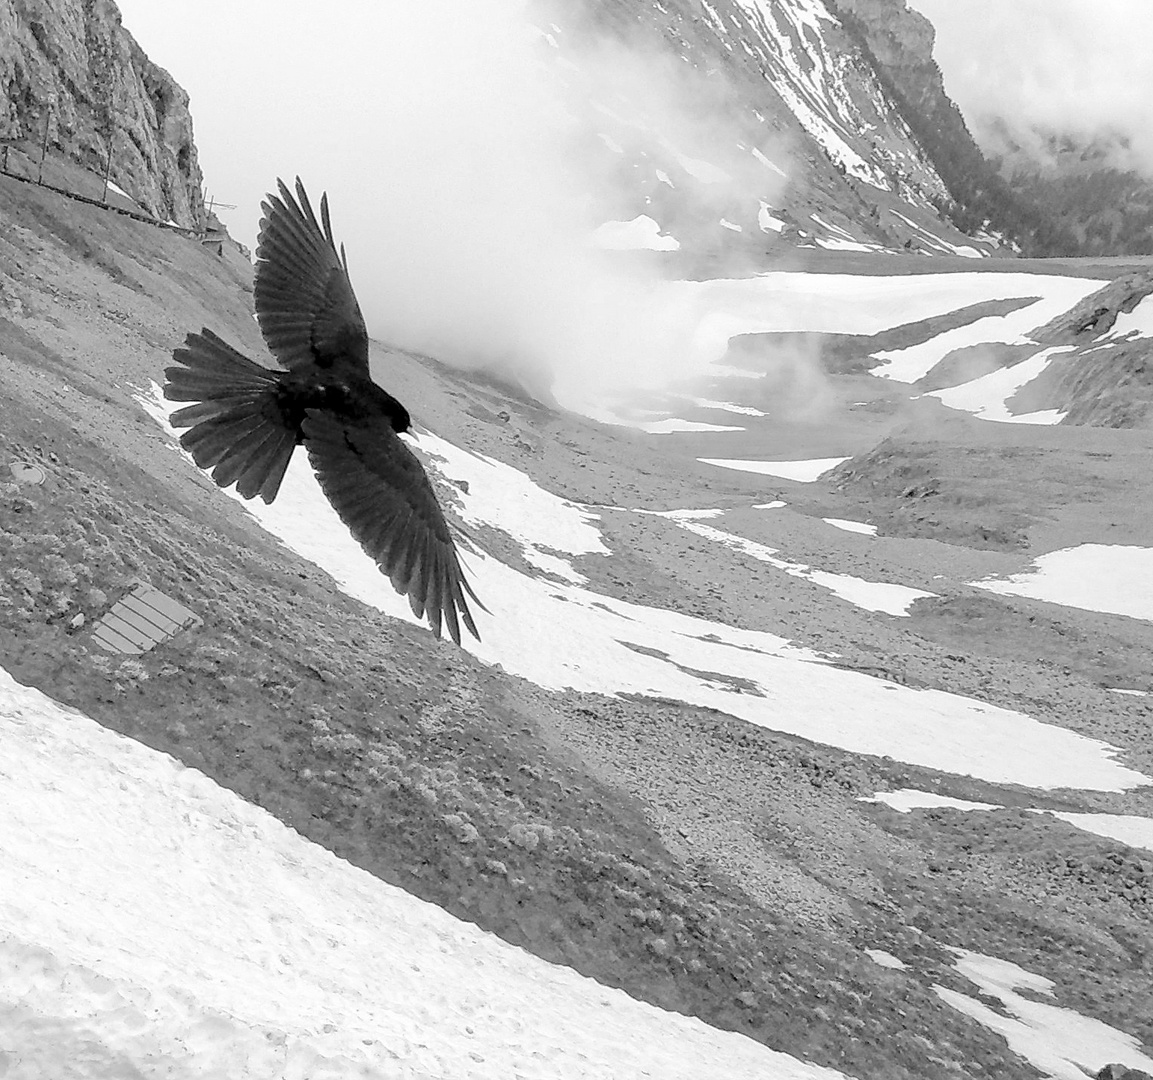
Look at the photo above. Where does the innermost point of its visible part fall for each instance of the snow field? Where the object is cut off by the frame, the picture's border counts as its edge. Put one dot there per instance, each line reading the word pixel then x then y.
pixel 797 302
pixel 1058 295
pixel 153 921
pixel 756 676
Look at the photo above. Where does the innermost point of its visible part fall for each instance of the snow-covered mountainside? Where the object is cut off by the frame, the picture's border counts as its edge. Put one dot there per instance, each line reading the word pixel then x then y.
pixel 768 127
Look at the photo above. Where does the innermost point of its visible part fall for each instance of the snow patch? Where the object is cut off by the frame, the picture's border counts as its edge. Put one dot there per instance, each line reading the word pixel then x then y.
pixel 640 234
pixel 804 472
pixel 767 221
pixel 886 959
pixel 987 397
pixel 1112 578
pixel 869 595
pixel 1130 829
pixel 1059 1042
pixel 672 426
pixel 726 406
pixel 851 526
pixel 908 799
pixel 769 164
pixel 1138 322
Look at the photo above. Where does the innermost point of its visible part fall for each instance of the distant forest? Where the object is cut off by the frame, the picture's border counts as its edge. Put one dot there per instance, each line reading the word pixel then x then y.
pixel 1098 212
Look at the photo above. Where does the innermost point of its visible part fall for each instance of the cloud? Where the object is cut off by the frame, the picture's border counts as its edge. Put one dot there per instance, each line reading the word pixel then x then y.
pixel 1077 67
pixel 460 147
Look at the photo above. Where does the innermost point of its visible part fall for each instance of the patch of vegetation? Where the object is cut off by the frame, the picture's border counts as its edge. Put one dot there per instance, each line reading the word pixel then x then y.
pixel 923 490
pixel 78 243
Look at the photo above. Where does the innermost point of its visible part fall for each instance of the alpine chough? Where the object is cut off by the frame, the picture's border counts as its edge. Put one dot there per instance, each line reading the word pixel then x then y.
pixel 247 419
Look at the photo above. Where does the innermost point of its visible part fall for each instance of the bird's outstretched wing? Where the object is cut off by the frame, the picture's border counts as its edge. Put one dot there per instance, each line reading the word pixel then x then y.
pixel 305 305
pixel 381 492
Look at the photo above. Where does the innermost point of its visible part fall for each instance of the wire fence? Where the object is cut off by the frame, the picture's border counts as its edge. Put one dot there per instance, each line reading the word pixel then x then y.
pixel 17 164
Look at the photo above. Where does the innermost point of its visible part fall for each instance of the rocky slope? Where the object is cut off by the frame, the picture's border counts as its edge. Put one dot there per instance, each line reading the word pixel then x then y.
pixel 702 863
pixel 69 68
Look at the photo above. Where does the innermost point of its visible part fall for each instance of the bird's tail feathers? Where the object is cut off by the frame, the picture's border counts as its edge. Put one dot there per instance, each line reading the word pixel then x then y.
pixel 236 429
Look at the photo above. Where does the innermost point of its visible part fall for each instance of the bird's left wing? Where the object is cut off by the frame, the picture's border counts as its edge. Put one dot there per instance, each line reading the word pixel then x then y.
pixel 305 305
pixel 381 492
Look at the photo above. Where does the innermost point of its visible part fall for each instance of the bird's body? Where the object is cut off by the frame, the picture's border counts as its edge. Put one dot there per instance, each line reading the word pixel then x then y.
pixel 356 400
pixel 246 420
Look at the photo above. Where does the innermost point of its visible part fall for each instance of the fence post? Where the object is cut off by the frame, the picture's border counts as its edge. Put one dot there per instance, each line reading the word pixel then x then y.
pixel 107 171
pixel 44 147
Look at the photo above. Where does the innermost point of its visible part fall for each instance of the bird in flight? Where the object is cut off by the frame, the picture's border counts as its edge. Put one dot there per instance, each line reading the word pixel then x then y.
pixel 247 420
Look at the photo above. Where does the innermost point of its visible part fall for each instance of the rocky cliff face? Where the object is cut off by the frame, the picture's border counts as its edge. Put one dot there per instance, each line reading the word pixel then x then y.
pixel 71 67
pixel 1046 216
pixel 900 41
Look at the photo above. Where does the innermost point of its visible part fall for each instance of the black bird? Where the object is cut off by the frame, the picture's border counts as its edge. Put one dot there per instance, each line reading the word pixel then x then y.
pixel 248 419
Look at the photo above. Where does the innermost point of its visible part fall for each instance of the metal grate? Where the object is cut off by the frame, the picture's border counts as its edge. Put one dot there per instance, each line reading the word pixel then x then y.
pixel 141 620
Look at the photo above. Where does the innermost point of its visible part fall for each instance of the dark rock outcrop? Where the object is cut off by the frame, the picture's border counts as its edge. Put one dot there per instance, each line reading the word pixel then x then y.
pixel 1109 385
pixel 1097 313
pixel 70 67
pixel 1116 1071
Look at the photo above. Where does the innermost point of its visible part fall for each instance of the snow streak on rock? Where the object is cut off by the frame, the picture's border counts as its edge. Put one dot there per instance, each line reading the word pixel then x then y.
pixel 835 98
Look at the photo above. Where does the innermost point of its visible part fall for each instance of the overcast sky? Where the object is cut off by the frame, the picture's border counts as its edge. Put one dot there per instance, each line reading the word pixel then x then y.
pixel 445 140
pixel 1078 66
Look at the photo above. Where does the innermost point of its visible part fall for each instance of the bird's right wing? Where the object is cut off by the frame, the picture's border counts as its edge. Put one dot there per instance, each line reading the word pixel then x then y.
pixel 381 492
pixel 305 305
